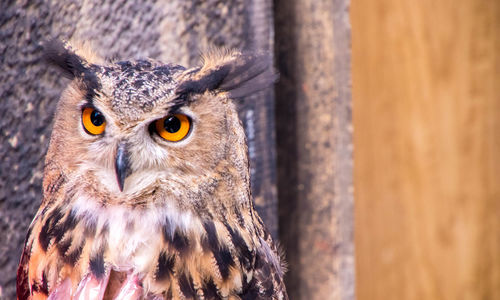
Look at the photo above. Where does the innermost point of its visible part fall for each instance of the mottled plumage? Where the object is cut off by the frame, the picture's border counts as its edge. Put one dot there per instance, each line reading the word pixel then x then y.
pixel 128 214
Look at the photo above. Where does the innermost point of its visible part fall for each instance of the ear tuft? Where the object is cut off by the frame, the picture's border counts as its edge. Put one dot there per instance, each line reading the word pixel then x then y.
pixel 249 74
pixel 73 65
pixel 237 74
pixel 62 56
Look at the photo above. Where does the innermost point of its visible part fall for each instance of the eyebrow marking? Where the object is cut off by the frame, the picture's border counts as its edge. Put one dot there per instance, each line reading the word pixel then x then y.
pixel 207 82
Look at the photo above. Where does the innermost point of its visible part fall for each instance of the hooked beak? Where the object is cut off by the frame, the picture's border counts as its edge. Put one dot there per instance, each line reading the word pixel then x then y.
pixel 122 164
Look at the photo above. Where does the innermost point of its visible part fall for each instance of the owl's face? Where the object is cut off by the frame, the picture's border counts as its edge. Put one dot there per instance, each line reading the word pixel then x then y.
pixel 135 130
pixel 138 128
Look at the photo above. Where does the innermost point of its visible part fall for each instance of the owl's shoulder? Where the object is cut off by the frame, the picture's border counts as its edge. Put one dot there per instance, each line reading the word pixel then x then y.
pixel 268 267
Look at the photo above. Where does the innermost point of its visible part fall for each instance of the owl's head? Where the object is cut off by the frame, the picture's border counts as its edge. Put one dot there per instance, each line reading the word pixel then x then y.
pixel 132 128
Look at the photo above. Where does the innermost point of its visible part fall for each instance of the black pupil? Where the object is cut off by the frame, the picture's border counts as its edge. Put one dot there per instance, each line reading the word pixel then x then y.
pixel 172 124
pixel 96 118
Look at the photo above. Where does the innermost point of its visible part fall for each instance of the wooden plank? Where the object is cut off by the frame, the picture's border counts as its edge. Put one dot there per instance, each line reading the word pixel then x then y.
pixel 257 115
pixel 426 78
pixel 313 121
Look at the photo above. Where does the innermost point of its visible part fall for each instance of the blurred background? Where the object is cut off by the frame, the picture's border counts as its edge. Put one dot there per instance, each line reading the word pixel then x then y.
pixel 375 160
pixel 426 103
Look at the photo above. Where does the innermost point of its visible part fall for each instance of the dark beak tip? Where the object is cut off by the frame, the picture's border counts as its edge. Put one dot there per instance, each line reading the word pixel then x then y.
pixel 120 185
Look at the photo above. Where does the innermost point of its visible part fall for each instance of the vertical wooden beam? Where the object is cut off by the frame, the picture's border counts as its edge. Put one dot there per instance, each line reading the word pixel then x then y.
pixel 426 80
pixel 313 121
pixel 257 115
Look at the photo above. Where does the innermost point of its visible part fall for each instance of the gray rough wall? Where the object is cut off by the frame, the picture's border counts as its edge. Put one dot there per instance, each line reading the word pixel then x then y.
pixel 175 31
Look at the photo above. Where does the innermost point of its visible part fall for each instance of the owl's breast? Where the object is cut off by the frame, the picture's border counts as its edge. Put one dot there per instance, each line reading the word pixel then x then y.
pixel 130 238
pixel 168 250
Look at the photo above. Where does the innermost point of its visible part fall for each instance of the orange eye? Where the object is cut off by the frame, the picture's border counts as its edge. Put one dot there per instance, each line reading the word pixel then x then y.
pixel 173 128
pixel 93 121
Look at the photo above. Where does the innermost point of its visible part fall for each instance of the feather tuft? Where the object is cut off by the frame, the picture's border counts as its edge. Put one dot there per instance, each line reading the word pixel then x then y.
pixel 237 74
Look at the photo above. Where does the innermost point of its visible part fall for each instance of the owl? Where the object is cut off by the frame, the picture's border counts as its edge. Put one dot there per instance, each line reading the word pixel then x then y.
pixel 146 189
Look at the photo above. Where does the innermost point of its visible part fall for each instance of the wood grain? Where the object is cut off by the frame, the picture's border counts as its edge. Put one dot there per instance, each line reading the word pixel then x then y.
pixel 426 92
pixel 314 147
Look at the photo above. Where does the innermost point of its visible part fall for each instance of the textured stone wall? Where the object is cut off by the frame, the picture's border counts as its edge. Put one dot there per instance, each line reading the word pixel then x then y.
pixel 168 30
